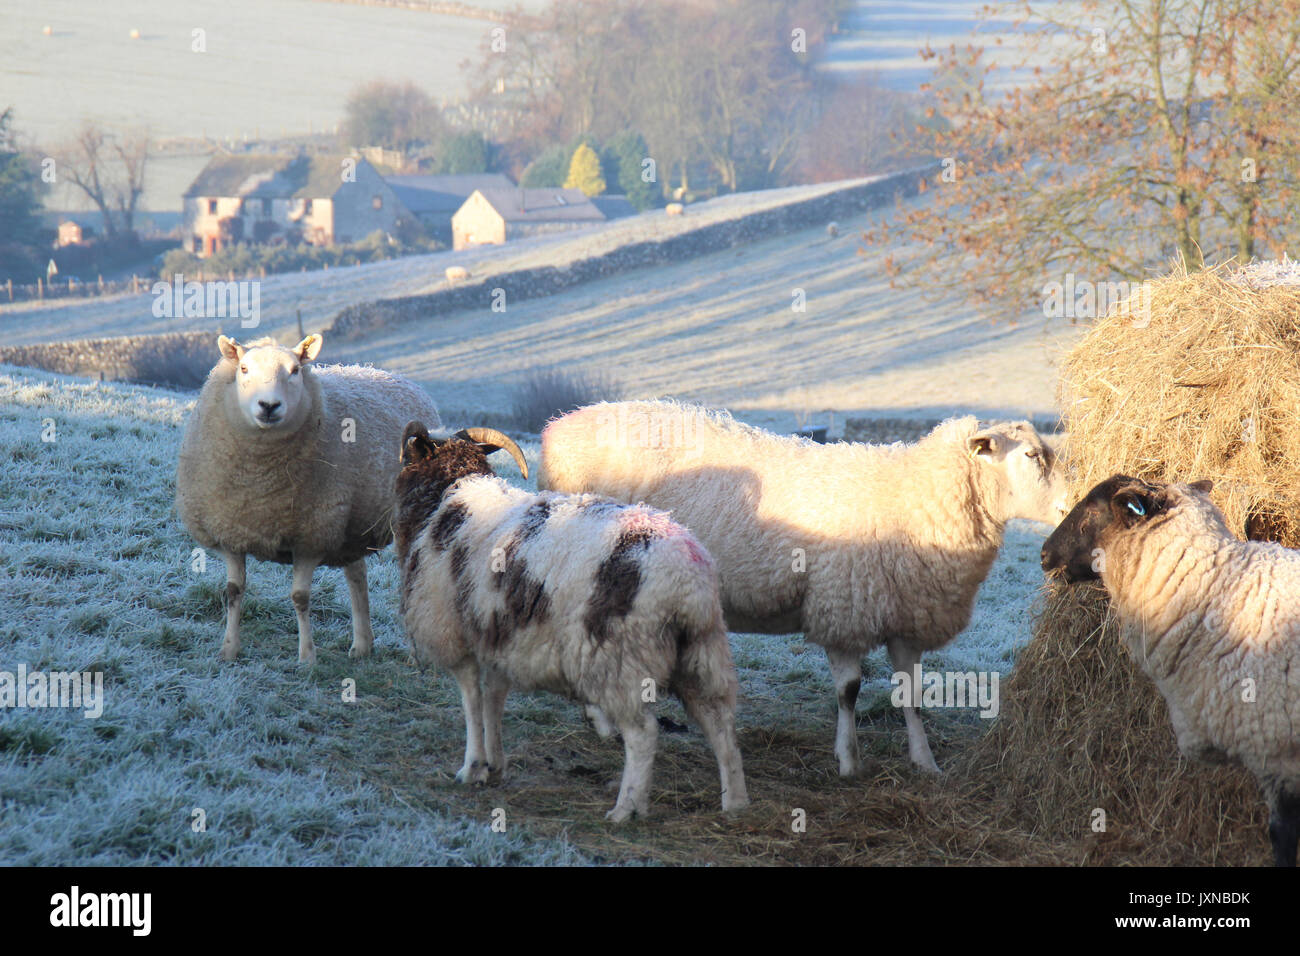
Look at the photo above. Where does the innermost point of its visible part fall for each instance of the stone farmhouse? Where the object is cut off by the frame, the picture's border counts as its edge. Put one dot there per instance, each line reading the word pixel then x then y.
pixel 323 199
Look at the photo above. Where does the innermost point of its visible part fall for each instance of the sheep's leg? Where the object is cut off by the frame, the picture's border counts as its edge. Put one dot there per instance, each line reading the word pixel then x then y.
pixel 905 658
pixel 303 568
pixel 603 725
pixel 640 737
pixel 474 769
pixel 846 673
pixel 235 580
pixel 719 726
pixel 363 638
pixel 495 688
pixel 1284 826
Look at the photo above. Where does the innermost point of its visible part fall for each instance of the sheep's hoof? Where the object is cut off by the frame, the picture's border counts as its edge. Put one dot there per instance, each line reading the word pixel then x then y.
pixel 358 650
pixel 473 773
pixel 307 659
pixel 620 814
pixel 927 766
pixel 228 652
pixel 850 768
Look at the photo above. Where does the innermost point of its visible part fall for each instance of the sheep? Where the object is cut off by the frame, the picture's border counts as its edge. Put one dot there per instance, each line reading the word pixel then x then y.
pixel 1208 617
pixel 578 595
pixel 832 229
pixel 854 545
pixel 674 209
pixel 290 462
pixel 456 274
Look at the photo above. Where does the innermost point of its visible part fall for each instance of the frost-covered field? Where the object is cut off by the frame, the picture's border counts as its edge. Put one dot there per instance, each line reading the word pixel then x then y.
pixel 723 329
pixel 96 575
pixel 321 295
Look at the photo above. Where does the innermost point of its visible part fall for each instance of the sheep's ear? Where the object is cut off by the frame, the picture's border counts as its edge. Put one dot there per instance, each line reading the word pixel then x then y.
pixel 1203 485
pixel 416 444
pixel 309 348
pixel 984 444
pixel 230 348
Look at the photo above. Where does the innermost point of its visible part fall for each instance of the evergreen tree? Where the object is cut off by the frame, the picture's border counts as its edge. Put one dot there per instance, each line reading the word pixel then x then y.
pixel 464 153
pixel 628 152
pixel 20 204
pixel 584 172
pixel 547 170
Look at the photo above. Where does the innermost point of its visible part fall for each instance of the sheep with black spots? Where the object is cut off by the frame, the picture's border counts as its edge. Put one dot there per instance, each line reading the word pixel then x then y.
pixel 605 603
pixel 293 463
pixel 854 545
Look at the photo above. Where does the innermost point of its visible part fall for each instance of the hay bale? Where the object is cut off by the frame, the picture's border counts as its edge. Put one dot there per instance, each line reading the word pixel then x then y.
pixel 1206 386
pixel 1199 378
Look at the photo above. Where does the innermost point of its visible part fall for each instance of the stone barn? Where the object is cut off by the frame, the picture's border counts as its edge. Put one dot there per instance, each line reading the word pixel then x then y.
pixel 435 199
pixel 494 216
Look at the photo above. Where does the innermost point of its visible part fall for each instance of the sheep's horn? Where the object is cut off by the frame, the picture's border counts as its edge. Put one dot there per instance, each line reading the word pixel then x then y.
pixel 490 436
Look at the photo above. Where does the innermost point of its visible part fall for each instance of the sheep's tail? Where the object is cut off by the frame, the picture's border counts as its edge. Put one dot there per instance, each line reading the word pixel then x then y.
pixel 703 654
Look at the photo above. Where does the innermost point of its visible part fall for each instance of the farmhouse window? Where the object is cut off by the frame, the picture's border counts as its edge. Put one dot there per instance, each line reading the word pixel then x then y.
pixel 266 207
pixel 212 207
pixel 306 207
pixel 197 244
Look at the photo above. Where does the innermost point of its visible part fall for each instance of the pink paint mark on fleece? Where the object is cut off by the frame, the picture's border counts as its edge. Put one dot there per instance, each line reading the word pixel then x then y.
pixel 696 552
pixel 642 520
pixel 639 519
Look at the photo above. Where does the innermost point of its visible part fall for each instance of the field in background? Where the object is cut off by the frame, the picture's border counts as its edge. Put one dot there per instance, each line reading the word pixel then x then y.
pixel 97 575
pixel 719 329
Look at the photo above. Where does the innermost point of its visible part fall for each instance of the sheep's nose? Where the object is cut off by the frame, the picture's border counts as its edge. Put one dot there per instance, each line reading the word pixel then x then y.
pixel 268 408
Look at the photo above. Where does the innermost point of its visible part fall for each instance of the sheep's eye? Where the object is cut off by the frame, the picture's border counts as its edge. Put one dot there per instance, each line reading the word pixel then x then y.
pixel 294 370
pixel 1136 508
pixel 1031 454
pixel 243 370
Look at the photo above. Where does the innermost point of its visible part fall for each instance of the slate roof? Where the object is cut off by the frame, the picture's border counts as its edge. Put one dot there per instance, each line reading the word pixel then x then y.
pixel 271 176
pixel 443 194
pixel 542 205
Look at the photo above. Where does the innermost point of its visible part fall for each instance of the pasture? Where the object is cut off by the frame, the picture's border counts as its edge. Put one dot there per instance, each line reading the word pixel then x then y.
pixel 99 576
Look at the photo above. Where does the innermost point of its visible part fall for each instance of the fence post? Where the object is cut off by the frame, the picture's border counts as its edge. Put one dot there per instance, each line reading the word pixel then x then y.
pixel 101 283
pixel 135 283
pixel 10 284
pixel 40 288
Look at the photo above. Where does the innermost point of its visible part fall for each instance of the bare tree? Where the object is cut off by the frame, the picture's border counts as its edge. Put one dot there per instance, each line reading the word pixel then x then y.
pixel 110 169
pixel 1152 128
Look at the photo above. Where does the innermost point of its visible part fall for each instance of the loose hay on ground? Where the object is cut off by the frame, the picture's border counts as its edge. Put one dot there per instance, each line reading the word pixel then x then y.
pixel 1204 385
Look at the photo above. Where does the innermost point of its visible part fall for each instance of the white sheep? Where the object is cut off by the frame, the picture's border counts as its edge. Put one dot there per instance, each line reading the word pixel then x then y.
pixel 1213 620
pixel 579 595
pixel 854 545
pixel 291 462
pixel 674 209
pixel 456 274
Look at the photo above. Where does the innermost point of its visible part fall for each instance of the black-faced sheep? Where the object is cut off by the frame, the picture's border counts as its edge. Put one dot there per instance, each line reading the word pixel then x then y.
pixel 1213 620
pixel 578 595
pixel 854 545
pixel 293 463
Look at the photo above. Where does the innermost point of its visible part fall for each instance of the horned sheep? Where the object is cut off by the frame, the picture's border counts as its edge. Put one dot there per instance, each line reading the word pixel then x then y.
pixel 293 463
pixel 1210 618
pixel 606 603
pixel 854 545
